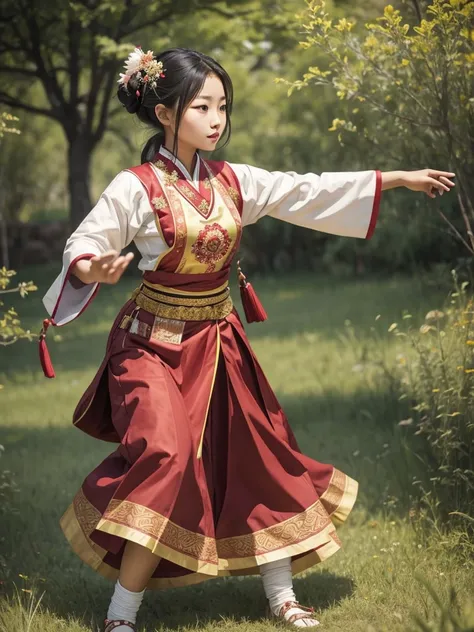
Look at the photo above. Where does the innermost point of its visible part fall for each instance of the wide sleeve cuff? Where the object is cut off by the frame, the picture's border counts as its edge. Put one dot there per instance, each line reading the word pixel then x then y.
pixel 66 300
pixel 376 205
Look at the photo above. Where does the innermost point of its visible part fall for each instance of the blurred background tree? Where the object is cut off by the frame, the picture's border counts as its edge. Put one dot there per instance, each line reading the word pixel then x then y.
pixel 256 42
pixel 74 51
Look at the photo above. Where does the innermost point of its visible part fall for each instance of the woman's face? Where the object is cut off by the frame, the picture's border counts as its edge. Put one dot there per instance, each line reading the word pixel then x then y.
pixel 205 118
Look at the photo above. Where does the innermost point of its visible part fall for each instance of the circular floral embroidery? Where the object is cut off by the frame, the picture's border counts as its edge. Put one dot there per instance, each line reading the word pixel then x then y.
pixel 211 245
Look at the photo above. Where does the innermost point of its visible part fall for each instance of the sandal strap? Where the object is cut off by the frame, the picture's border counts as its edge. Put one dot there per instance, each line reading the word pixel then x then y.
pixel 111 625
pixel 295 604
pixel 297 617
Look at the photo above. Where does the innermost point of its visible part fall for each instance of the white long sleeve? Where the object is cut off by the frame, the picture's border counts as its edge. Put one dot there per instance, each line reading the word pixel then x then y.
pixel 339 203
pixel 120 214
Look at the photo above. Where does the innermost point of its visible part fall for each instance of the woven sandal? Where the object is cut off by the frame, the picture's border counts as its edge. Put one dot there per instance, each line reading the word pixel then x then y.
pixel 111 625
pixel 294 617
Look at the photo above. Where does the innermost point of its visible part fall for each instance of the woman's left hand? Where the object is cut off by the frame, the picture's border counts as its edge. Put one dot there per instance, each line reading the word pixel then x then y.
pixel 429 181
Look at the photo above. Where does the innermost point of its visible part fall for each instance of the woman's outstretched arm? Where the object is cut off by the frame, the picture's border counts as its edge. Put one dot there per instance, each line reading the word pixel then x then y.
pixel 427 180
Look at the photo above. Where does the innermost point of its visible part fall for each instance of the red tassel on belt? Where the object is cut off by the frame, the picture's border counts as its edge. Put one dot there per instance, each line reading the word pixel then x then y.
pixel 254 310
pixel 45 358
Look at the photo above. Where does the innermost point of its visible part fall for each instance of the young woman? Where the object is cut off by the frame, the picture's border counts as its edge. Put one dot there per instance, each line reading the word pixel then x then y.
pixel 207 480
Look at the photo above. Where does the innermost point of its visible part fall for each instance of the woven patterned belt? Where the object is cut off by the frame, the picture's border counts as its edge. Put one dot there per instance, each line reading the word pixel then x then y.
pixel 176 307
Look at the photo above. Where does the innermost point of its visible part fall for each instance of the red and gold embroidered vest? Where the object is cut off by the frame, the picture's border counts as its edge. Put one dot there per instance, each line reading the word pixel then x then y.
pixel 202 228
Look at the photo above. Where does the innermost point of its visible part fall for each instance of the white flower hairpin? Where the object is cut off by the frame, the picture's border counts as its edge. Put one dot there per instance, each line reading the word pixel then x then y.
pixel 146 68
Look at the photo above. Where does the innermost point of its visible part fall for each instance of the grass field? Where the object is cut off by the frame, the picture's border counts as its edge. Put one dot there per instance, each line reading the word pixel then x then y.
pixel 342 412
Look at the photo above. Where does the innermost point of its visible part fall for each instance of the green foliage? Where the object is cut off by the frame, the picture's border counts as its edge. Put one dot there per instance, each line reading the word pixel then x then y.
pixel 408 86
pixel 438 378
pixel 10 325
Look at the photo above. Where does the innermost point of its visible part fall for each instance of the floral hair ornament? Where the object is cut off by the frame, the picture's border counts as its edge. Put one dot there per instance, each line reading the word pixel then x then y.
pixel 144 67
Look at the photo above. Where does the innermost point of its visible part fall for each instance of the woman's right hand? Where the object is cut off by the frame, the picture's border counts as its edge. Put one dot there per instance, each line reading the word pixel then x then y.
pixel 104 268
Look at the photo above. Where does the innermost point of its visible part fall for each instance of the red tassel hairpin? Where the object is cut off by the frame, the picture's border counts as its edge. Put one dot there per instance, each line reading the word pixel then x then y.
pixel 254 310
pixel 45 358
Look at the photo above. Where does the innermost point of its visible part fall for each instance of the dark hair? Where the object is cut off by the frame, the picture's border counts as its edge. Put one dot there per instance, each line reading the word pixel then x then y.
pixel 185 72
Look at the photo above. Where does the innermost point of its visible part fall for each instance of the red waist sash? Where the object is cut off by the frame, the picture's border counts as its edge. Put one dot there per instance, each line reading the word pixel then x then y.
pixel 188 282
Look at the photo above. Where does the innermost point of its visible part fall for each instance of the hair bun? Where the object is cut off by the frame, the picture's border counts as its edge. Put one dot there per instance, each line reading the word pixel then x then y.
pixel 129 99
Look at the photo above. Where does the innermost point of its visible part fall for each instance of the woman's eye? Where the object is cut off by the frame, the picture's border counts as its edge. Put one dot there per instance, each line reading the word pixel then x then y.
pixel 224 108
pixel 204 108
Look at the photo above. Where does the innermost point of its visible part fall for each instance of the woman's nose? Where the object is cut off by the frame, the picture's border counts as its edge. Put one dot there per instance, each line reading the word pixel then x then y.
pixel 216 121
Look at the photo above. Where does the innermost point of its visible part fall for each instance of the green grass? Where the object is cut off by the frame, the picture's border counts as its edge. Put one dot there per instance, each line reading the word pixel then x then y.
pixel 341 412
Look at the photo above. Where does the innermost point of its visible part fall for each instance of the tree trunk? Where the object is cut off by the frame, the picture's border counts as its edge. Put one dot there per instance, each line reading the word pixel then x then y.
pixel 79 161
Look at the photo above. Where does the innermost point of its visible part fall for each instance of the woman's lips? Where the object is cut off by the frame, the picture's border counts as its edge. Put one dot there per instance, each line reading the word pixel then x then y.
pixel 214 136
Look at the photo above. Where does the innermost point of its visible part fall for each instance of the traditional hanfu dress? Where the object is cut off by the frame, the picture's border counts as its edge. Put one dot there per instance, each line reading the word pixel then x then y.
pixel 207 473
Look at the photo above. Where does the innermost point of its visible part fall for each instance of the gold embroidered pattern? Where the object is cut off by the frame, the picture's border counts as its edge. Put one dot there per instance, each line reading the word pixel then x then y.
pixel 181 312
pixel 331 498
pixel 187 192
pixel 234 194
pixel 159 203
pixel 187 301
pixel 204 206
pixel 207 184
pixel 198 552
pixel 87 515
pixel 295 529
pixel 170 177
pixel 157 526
pixel 231 205
pixel 161 166
pixel 177 213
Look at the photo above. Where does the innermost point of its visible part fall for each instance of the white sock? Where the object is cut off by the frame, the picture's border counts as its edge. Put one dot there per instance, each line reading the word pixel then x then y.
pixel 124 605
pixel 278 586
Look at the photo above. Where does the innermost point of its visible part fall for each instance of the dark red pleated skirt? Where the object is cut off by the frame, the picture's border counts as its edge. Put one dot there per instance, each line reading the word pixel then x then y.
pixel 207 473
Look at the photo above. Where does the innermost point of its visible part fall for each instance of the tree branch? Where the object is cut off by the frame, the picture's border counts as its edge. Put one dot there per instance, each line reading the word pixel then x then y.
pixel 147 23
pixel 109 86
pixel 73 31
pixel 455 231
pixel 16 103
pixel 20 71
pixel 48 79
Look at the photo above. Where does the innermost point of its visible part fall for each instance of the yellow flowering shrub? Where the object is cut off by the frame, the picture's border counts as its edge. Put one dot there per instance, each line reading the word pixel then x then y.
pixel 411 77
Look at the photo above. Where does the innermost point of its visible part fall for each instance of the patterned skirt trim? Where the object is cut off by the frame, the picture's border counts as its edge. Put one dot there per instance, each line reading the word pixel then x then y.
pixel 310 537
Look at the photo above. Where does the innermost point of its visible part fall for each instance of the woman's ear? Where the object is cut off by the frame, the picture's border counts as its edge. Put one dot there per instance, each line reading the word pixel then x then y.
pixel 163 114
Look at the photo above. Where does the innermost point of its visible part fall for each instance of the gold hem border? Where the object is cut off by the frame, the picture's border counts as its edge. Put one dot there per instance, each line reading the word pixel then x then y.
pixel 92 555
pixel 319 547
pixel 347 502
pixel 158 548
